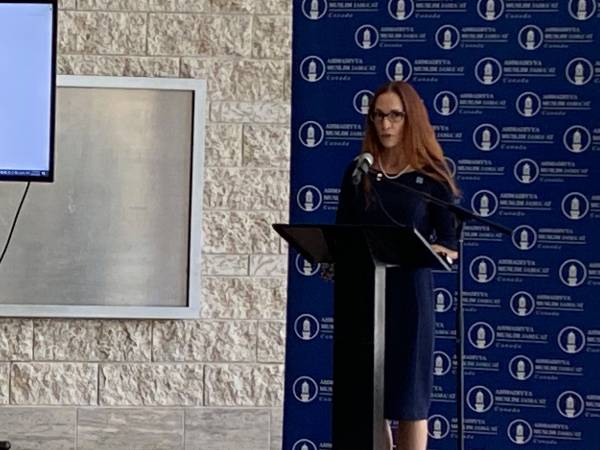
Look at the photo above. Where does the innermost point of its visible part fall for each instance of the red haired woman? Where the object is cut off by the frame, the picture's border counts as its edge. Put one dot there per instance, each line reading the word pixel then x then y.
pixel 405 151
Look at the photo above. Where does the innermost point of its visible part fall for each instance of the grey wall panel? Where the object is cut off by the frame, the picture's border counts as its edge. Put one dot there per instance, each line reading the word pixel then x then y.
pixel 114 229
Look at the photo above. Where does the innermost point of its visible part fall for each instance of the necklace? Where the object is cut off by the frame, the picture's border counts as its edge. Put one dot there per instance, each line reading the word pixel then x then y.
pixel 392 177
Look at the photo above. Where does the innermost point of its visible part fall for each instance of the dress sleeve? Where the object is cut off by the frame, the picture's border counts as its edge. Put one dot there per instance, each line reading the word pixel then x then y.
pixel 347 212
pixel 442 220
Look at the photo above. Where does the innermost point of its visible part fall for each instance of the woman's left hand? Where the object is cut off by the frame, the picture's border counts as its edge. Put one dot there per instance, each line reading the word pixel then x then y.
pixel 445 252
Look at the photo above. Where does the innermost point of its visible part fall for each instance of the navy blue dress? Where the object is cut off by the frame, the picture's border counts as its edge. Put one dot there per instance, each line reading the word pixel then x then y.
pixel 410 321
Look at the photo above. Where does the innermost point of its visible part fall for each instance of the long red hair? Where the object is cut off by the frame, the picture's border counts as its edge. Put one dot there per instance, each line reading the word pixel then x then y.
pixel 422 150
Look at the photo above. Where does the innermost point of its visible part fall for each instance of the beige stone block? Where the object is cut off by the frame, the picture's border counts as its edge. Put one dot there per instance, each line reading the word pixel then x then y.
pixel 283 247
pixel 281 7
pixel 91 65
pixel 246 189
pixel 244 298
pixel 16 339
pixel 223 145
pixel 258 81
pixel 240 80
pixel 115 33
pixel 226 429
pixel 244 385
pixel 194 6
pixel 118 66
pixel 215 341
pixel 66 4
pixel 268 265
pixel 247 112
pixel 151 384
pixel 217 72
pixel 225 265
pixel 272 37
pixel 113 5
pixel 199 35
pixel 53 384
pixel 151 67
pixel 4 383
pixel 130 428
pixel 266 146
pixel 92 340
pixel 271 341
pixel 232 6
pixel 287 85
pixel 39 428
pixel 276 428
pixel 240 232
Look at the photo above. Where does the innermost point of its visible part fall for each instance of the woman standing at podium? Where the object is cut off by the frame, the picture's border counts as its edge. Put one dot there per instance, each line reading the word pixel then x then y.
pixel 405 151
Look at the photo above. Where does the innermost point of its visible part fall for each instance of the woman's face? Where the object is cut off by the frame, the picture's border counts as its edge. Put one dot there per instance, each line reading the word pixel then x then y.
pixel 388 117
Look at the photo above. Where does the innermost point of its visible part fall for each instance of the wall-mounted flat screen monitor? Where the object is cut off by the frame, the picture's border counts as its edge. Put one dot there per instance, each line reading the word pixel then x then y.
pixel 27 89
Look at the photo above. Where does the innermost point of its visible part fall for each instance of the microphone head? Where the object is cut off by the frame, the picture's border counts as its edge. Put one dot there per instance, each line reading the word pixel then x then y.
pixel 364 158
pixel 363 162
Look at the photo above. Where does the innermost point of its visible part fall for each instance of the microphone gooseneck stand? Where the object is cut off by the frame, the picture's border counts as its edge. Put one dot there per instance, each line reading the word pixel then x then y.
pixel 462 216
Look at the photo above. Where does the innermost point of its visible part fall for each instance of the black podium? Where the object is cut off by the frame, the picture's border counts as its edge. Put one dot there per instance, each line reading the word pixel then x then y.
pixel 359 330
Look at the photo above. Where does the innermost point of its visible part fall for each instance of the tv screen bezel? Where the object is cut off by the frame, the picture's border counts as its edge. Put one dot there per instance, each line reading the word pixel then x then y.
pixel 50 175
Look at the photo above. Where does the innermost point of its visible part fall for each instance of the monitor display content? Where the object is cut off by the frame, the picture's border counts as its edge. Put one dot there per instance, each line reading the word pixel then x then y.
pixel 27 89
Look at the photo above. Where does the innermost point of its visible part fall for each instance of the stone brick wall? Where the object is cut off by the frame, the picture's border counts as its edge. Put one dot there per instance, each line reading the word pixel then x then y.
pixel 215 383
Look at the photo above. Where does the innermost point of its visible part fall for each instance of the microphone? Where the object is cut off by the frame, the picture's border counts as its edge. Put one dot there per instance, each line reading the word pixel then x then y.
pixel 363 162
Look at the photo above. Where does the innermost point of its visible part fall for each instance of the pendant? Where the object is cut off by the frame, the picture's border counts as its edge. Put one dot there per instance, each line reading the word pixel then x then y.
pixel 379 176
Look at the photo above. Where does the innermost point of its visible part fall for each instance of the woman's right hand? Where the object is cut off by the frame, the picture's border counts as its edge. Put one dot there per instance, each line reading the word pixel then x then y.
pixel 328 271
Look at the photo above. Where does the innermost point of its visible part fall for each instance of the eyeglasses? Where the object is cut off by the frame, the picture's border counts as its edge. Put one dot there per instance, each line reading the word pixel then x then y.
pixel 392 116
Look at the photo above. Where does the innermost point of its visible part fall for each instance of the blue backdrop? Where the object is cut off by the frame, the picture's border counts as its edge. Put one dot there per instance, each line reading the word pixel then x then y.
pixel 513 91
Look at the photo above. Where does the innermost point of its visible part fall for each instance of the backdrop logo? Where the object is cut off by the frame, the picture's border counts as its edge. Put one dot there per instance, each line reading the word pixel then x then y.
pixel 486 137
pixel 309 198
pixel 311 134
pixel 314 9
pixel 481 335
pixel 524 237
pixel 482 269
pixel 531 37
pixel 575 205
pixel 304 444
pixel 582 9
pixel 366 37
pixel 484 203
pixel 401 9
pixel 441 363
pixel 519 432
pixel 480 399
pixel 528 104
pixel 570 404
pixel 577 139
pixel 571 340
pixel 445 103
pixel 398 69
pixel 488 71
pixel 451 165
pixel 579 71
pixel 304 267
pixel 305 389
pixel 572 273
pixel 490 9
pixel 526 171
pixel 306 327
pixel 522 304
pixel 447 37
pixel 521 367
pixel 438 427
pixel 443 300
pixel 361 101
pixel 312 68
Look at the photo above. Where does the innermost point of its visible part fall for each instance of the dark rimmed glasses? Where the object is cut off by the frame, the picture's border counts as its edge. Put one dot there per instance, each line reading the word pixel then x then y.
pixel 392 116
